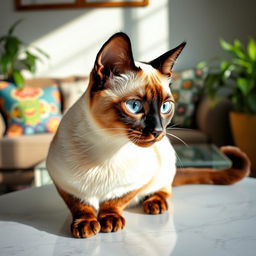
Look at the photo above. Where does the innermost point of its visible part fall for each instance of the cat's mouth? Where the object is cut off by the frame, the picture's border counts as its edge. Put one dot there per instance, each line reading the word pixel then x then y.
pixel 145 141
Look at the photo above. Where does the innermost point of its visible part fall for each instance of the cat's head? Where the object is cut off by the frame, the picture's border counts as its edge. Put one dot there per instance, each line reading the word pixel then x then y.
pixel 132 98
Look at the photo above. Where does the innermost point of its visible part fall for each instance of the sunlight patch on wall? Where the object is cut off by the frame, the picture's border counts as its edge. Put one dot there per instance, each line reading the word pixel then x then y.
pixel 154 25
pixel 73 46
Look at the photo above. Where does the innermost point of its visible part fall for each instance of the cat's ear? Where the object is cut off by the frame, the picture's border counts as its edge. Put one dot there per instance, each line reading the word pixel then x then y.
pixel 165 62
pixel 115 57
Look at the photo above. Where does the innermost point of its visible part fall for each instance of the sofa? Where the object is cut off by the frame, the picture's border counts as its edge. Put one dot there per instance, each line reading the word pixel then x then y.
pixel 20 154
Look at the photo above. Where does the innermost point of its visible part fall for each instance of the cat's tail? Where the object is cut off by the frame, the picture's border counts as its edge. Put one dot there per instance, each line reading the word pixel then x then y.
pixel 240 168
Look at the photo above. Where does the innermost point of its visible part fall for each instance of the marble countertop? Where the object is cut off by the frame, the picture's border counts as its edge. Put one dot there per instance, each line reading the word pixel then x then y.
pixel 202 220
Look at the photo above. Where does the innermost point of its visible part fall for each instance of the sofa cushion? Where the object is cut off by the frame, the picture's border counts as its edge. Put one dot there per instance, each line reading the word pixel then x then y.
pixel 72 91
pixel 46 81
pixel 30 110
pixel 24 151
pixel 186 89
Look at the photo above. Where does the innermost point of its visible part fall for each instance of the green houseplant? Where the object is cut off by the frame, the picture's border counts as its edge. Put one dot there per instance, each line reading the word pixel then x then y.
pixel 235 78
pixel 236 74
pixel 16 56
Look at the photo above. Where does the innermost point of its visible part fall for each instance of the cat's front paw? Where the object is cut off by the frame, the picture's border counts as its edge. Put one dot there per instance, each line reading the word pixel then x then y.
pixel 111 222
pixel 155 204
pixel 84 228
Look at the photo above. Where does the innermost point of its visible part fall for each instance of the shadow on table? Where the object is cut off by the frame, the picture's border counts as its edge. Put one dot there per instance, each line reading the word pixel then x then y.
pixel 41 208
pixel 144 235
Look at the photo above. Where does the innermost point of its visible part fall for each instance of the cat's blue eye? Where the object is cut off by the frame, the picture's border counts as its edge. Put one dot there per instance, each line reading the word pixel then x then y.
pixel 134 106
pixel 166 107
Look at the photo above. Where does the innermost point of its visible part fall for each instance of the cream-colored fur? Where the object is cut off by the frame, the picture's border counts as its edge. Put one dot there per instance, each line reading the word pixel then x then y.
pixel 96 164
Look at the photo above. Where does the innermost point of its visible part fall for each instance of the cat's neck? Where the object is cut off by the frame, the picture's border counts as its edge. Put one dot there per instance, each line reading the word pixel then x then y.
pixel 93 143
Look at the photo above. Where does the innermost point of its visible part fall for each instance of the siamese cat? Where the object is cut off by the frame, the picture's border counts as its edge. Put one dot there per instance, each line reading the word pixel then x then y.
pixel 111 148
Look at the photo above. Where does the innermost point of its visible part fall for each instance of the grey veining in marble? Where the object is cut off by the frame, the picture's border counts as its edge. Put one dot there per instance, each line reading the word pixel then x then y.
pixel 202 220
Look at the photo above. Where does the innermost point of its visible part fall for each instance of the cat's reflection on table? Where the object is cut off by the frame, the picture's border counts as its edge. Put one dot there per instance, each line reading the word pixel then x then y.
pixel 143 235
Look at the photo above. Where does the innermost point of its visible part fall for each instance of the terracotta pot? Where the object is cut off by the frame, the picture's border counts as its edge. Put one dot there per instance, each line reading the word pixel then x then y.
pixel 243 128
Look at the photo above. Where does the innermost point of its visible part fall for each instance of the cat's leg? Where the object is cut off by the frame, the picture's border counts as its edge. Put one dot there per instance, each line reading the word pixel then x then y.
pixel 110 214
pixel 156 203
pixel 85 223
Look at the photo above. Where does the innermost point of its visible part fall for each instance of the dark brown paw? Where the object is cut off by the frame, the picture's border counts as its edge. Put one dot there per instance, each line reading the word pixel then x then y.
pixel 155 205
pixel 83 228
pixel 111 222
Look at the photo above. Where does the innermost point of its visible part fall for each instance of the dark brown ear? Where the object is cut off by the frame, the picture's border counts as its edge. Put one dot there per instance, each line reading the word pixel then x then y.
pixel 165 62
pixel 115 57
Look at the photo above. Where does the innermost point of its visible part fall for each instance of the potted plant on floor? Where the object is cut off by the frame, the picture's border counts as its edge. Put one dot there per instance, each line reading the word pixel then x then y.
pixel 235 78
pixel 16 56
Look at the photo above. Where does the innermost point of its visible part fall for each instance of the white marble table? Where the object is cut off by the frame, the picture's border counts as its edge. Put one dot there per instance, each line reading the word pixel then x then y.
pixel 202 220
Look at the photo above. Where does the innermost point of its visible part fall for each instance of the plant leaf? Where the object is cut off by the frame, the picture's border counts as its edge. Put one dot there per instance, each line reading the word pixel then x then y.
pixel 18 79
pixel 226 69
pixel 42 52
pixel 12 45
pixel 237 44
pixel 245 85
pixel 6 63
pixel 238 49
pixel 251 49
pixel 201 65
pixel 12 28
pixel 31 61
pixel 225 45
pixel 243 63
pixel 224 66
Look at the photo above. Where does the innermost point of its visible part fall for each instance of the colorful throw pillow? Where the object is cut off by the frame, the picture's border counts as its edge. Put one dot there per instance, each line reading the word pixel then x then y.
pixel 186 88
pixel 30 110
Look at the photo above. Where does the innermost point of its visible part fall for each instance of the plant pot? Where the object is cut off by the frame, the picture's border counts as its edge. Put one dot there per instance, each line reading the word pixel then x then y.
pixel 243 128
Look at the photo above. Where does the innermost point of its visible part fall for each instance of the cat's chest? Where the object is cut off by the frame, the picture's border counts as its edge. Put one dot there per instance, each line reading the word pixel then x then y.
pixel 130 168
pixel 130 165
pixel 134 163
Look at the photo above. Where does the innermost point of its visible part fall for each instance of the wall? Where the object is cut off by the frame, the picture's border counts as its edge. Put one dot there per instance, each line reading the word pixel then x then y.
pixel 203 22
pixel 73 37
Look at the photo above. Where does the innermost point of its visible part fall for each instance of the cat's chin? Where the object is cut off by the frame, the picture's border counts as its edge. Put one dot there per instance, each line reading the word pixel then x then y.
pixel 145 143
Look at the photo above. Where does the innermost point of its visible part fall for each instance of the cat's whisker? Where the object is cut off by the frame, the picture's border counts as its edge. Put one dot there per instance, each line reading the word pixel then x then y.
pixel 174 127
pixel 178 128
pixel 169 127
pixel 178 159
pixel 135 139
pixel 179 139
pixel 137 133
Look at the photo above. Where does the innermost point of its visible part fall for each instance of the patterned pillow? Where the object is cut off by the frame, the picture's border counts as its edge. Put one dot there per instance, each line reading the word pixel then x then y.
pixel 186 88
pixel 30 110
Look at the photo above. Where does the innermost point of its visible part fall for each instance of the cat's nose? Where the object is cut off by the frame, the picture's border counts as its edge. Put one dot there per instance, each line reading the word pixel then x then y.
pixel 156 133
